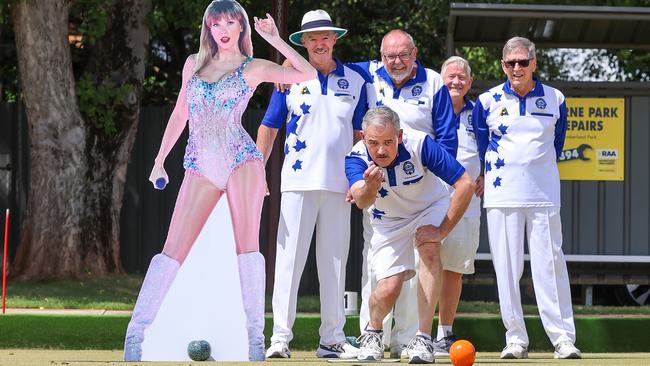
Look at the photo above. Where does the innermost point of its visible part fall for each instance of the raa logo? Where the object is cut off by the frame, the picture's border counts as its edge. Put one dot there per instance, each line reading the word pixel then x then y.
pixel 409 168
pixel 343 83
pixel 540 103
pixel 304 90
pixel 504 111
pixel 417 90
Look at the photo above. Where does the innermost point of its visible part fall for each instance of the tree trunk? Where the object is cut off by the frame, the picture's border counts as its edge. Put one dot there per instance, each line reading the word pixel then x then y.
pixel 78 170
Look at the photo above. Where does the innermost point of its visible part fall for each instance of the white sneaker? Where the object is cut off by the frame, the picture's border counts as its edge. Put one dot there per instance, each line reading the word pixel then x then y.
pixel 399 351
pixel 566 349
pixel 338 350
pixel 278 350
pixel 420 350
pixel 371 346
pixel 514 350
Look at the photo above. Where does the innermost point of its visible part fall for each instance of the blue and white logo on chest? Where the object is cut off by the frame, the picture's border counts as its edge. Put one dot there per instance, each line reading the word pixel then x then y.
pixel 343 83
pixel 408 168
pixel 540 103
pixel 417 90
pixel 409 174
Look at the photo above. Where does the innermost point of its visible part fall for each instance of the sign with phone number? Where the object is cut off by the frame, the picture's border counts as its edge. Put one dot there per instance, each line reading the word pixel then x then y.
pixel 595 139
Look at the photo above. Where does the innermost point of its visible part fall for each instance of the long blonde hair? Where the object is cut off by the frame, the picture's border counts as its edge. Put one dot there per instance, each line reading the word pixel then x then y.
pixel 207 46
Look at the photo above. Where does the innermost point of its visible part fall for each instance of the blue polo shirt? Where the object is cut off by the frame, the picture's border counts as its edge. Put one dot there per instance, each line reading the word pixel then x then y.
pixel 519 139
pixel 321 115
pixel 468 152
pixel 411 185
pixel 422 103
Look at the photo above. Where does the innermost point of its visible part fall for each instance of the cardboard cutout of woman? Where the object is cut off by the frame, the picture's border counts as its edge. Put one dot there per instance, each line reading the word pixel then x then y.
pixel 220 158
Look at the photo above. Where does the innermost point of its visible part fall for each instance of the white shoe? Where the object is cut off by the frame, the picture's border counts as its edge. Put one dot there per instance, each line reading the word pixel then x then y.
pixel 338 350
pixel 566 349
pixel 420 350
pixel 278 350
pixel 371 346
pixel 399 351
pixel 514 350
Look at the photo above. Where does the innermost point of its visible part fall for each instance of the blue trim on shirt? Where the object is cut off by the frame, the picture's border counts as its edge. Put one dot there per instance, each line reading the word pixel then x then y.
pixel 276 112
pixel 354 169
pixel 420 76
pixel 363 69
pixel 560 130
pixel 360 109
pixel 481 130
pixel 440 162
pixel 443 121
pixel 338 71
pixel 538 91
pixel 468 105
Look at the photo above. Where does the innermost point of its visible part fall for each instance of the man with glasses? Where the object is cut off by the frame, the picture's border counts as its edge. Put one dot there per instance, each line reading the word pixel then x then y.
pixel 520 127
pixel 421 100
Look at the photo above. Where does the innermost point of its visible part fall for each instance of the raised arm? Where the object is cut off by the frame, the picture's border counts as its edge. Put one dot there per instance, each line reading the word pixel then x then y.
pixel 175 125
pixel 263 70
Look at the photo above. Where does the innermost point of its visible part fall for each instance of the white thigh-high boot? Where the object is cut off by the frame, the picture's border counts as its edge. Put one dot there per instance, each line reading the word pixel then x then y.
pixel 160 275
pixel 252 277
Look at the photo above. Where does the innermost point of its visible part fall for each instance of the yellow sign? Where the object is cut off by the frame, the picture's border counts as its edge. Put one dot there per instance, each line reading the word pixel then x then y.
pixel 595 139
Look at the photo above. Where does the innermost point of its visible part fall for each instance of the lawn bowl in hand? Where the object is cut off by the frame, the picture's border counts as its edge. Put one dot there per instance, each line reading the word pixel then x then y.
pixel 161 183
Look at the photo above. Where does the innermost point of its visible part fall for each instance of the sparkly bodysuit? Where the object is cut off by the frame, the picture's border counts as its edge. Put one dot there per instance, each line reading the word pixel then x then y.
pixel 218 144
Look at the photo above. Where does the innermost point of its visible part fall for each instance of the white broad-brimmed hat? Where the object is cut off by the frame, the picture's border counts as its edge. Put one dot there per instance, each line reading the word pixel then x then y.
pixel 316 21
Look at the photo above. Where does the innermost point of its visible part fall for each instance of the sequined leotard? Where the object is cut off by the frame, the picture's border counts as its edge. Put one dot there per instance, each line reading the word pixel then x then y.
pixel 218 143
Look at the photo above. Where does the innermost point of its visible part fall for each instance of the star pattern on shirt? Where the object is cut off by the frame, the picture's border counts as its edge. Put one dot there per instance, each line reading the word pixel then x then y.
pixel 383 192
pixel 494 141
pixel 305 108
pixel 286 149
pixel 292 125
pixel 377 214
pixel 297 165
pixel 503 128
pixel 488 166
pixel 497 97
pixel 497 182
pixel 500 162
pixel 379 103
pixel 299 145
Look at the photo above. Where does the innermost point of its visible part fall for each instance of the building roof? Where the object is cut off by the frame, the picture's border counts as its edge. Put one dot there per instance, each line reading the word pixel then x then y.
pixel 548 26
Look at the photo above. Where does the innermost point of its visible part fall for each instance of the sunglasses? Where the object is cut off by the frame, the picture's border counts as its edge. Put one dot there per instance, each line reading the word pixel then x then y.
pixel 511 64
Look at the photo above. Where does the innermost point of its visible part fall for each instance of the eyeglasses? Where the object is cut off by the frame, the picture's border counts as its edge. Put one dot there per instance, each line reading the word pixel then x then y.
pixel 511 64
pixel 404 56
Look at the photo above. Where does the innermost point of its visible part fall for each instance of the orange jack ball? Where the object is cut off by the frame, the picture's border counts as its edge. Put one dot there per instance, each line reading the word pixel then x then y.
pixel 462 353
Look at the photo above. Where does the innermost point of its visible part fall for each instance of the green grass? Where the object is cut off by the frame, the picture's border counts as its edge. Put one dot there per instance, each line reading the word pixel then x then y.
pixel 118 292
pixel 486 332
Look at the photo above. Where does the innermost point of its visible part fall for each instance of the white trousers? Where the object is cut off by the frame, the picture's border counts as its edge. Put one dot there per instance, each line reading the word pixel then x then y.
pixel 299 212
pixel 405 311
pixel 543 230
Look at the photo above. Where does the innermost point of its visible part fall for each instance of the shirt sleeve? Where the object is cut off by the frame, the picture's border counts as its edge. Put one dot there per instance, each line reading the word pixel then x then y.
pixel 560 130
pixel 276 112
pixel 443 120
pixel 354 169
pixel 360 110
pixel 481 130
pixel 363 68
pixel 440 162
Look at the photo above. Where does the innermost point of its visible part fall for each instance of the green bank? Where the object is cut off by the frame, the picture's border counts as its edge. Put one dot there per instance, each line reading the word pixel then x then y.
pixel 106 332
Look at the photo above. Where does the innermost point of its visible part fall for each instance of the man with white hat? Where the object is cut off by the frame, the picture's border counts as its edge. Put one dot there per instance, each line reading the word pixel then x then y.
pixel 323 119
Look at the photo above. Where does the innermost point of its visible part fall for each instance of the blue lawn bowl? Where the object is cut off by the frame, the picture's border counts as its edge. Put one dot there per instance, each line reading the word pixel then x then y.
pixel 199 350
pixel 353 341
pixel 161 183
